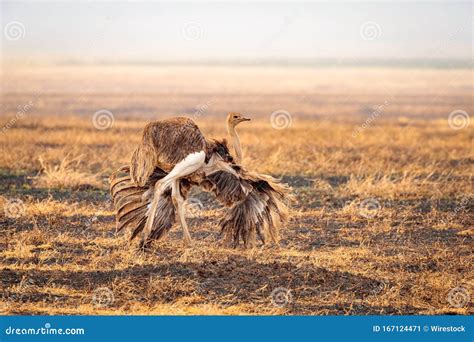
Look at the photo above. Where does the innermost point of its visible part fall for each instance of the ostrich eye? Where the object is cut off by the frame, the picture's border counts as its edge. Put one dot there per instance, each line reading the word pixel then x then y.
pixel 235 116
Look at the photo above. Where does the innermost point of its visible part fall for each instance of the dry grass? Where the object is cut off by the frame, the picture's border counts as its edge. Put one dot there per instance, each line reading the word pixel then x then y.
pixel 403 257
pixel 64 175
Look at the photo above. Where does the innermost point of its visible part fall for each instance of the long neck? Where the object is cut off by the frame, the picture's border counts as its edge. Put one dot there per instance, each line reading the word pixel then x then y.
pixel 235 142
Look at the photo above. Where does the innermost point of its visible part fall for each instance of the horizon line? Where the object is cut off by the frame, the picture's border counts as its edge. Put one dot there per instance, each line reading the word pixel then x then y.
pixel 280 62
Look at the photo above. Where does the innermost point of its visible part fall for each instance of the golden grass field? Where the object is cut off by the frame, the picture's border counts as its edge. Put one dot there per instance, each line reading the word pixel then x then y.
pixel 60 254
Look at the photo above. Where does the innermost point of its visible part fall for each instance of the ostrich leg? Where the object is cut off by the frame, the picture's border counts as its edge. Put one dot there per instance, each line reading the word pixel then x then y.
pixel 187 166
pixel 179 204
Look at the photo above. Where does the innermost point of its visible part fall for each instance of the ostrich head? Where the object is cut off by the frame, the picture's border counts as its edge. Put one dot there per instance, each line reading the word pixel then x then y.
pixel 233 119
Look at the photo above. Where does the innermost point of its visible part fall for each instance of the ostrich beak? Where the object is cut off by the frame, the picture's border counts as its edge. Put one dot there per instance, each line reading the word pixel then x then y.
pixel 245 119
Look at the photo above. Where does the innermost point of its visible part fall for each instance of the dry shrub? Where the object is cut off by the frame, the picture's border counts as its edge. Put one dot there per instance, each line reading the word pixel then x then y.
pixel 405 184
pixel 65 175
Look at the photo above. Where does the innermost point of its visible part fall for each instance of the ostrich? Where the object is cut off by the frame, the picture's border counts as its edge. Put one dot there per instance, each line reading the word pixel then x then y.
pixel 177 147
pixel 233 119
pixel 172 157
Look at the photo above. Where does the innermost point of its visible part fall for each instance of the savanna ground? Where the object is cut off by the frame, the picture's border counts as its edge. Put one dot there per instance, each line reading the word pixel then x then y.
pixel 382 218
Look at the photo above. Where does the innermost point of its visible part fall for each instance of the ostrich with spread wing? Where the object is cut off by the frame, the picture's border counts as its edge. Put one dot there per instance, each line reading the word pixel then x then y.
pixel 173 156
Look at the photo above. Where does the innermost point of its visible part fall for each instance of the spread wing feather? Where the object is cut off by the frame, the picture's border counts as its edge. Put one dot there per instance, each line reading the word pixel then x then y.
pixel 257 206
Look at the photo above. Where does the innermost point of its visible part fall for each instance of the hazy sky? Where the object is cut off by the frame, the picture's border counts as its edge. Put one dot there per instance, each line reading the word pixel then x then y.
pixel 152 31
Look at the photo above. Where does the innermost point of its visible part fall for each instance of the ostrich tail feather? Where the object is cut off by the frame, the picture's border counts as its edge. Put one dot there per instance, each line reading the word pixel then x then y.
pixel 132 202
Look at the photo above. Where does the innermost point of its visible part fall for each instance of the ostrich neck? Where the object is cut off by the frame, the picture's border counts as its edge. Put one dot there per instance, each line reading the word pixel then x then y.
pixel 235 142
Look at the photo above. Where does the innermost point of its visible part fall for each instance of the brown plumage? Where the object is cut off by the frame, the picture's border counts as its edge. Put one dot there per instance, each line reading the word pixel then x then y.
pixel 257 205
pixel 164 144
pixel 149 194
pixel 131 203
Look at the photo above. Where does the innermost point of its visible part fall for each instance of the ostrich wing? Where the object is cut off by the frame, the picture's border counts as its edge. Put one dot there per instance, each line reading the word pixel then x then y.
pixel 131 204
pixel 257 205
pixel 256 201
pixel 164 144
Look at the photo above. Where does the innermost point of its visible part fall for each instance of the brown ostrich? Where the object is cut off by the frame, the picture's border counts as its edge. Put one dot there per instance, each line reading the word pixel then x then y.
pixel 173 156
pixel 233 119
